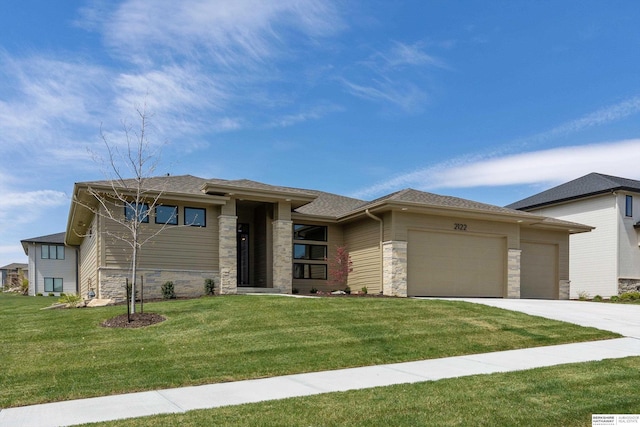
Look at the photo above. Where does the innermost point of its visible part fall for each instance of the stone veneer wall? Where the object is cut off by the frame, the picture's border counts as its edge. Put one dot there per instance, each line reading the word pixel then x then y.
pixel 228 254
pixel 564 289
pixel 187 283
pixel 513 273
pixel 628 285
pixel 394 268
pixel 283 255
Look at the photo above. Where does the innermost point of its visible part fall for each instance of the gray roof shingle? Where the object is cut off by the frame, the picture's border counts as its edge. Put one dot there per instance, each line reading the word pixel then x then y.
pixel 57 238
pixel 588 185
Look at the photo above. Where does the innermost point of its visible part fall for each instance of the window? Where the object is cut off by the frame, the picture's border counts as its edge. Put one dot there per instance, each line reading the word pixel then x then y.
pixel 52 284
pixel 310 271
pixel 196 217
pixel 313 252
pixel 167 215
pixel 310 258
pixel 309 232
pixel 141 209
pixel 628 208
pixel 52 252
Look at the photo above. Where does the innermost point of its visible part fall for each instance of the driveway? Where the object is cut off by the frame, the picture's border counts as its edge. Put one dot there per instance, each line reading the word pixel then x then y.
pixel 621 318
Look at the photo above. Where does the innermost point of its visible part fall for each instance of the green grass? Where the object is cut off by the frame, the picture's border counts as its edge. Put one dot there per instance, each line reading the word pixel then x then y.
pixel 52 355
pixel 556 396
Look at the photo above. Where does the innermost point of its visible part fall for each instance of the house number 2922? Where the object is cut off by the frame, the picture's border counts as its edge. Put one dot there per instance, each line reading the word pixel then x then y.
pixel 458 226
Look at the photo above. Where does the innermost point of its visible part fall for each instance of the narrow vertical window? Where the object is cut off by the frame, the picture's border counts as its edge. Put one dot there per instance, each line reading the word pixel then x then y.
pixel 628 208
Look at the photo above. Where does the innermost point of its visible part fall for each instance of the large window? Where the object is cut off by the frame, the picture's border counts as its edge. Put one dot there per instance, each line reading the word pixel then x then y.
pixel 628 207
pixel 309 232
pixel 310 251
pixel 167 215
pixel 141 209
pixel 52 252
pixel 52 284
pixel 310 271
pixel 196 217
pixel 313 252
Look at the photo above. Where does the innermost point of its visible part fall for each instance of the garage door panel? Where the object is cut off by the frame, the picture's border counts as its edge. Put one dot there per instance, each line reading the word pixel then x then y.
pixel 539 270
pixel 453 264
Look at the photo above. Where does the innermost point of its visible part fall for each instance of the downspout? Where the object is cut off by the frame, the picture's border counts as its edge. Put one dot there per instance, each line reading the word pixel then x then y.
pixel 372 216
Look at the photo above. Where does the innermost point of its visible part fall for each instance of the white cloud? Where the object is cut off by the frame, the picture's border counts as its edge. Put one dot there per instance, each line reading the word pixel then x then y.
pixel 599 117
pixel 230 33
pixel 551 166
pixel 405 95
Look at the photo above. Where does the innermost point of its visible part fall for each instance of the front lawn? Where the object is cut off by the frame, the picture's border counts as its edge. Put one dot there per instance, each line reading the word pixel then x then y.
pixel 52 355
pixel 564 395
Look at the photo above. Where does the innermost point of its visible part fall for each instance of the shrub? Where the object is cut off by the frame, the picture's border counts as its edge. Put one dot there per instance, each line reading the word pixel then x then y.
pixel 168 291
pixel 583 295
pixel 295 291
pixel 614 298
pixel 313 291
pixel 597 298
pixel 39 294
pixel 51 294
pixel 72 300
pixel 209 287
pixel 24 287
pixel 347 290
pixel 630 296
pixel 364 290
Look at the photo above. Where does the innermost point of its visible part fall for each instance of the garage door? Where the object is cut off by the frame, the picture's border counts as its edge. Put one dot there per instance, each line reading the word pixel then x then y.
pixel 539 270
pixel 455 264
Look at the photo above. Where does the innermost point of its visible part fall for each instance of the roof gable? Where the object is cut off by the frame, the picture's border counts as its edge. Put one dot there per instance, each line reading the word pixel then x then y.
pixel 588 185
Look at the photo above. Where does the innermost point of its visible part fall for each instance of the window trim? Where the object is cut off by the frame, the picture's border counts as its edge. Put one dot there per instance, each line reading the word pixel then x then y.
pixel 173 219
pixel 193 224
pixel 628 206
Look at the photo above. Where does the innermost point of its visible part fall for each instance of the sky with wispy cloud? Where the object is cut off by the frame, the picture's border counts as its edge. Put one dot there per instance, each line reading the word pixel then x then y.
pixel 491 101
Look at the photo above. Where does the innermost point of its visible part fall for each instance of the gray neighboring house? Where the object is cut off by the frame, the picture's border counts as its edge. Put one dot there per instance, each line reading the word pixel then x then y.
pixel 605 262
pixel 11 274
pixel 53 266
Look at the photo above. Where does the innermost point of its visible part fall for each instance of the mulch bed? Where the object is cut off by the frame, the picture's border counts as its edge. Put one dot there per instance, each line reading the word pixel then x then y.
pixel 138 320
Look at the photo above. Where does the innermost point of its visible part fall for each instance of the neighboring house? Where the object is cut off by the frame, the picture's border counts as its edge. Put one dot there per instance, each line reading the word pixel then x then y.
pixel 53 266
pixel 12 275
pixel 605 262
pixel 249 236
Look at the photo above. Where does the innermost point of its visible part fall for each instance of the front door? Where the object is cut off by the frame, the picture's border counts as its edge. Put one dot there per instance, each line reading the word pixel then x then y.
pixel 243 255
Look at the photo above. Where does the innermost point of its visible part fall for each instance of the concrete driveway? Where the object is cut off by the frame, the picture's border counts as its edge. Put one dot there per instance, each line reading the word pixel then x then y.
pixel 621 318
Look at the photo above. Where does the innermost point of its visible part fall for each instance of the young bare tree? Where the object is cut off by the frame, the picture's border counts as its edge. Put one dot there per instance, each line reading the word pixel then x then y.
pixel 137 157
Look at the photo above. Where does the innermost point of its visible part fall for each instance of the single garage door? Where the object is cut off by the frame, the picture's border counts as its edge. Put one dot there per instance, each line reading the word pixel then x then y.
pixel 455 264
pixel 539 270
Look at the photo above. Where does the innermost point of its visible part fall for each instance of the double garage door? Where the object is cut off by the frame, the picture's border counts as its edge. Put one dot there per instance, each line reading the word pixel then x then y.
pixel 466 265
pixel 456 265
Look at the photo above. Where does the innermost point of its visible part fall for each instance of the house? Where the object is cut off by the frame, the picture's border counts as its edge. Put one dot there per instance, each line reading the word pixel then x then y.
pixel 248 236
pixel 605 262
pixel 53 267
pixel 12 275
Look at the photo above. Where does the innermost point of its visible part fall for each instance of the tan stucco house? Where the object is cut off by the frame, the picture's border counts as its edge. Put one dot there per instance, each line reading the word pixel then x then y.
pixel 249 236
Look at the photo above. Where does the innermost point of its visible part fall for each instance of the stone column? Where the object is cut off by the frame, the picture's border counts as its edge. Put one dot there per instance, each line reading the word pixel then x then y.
pixel 513 273
pixel 228 254
pixel 394 268
pixel 564 289
pixel 283 255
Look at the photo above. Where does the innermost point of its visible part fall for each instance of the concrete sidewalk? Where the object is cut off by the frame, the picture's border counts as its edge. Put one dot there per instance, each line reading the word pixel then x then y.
pixel 234 393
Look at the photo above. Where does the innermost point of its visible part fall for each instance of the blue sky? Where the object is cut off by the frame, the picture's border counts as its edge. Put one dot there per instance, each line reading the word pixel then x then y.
pixel 491 101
